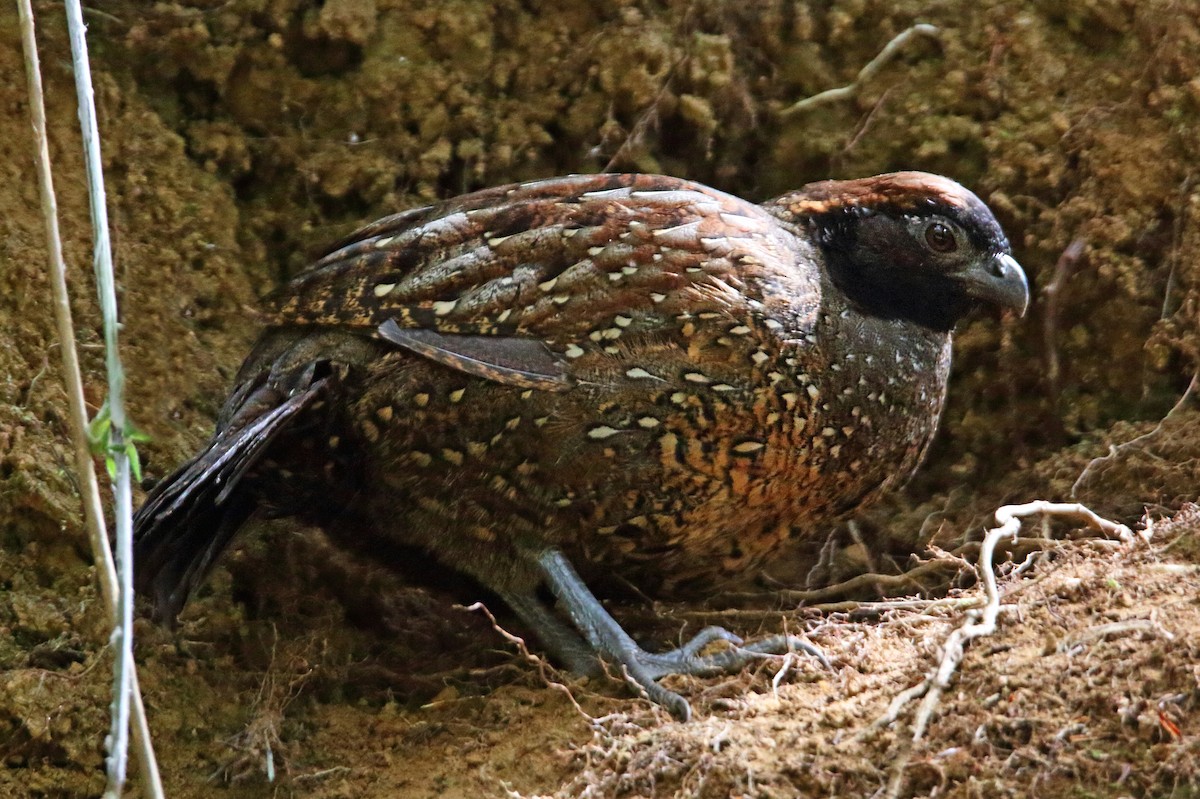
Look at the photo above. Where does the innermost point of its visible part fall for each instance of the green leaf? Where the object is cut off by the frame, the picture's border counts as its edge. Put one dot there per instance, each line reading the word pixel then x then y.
pixel 100 430
pixel 135 461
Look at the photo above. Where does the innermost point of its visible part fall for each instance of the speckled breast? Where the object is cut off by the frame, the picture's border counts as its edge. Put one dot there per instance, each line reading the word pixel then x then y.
pixel 778 464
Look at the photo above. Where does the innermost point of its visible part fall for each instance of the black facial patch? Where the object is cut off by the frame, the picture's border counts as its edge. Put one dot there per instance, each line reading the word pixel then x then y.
pixel 876 258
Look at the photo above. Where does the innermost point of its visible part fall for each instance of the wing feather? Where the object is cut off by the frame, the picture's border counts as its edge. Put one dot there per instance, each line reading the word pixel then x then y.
pixel 572 262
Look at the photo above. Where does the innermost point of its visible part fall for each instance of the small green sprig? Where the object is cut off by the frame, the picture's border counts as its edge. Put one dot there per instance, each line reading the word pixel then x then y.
pixel 101 442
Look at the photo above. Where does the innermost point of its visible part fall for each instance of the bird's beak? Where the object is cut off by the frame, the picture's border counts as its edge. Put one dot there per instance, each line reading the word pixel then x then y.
pixel 999 280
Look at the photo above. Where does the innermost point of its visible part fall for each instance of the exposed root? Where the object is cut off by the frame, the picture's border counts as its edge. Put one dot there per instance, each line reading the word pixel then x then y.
pixel 981 622
pixel 943 567
pixel 880 583
pixel 1137 443
pixel 260 744
pixel 877 63
pixel 543 668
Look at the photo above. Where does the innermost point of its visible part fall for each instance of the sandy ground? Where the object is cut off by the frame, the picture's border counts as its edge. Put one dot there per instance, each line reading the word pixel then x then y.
pixel 239 136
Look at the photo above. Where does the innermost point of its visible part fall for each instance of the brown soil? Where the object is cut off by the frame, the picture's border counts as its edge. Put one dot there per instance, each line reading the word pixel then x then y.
pixel 240 135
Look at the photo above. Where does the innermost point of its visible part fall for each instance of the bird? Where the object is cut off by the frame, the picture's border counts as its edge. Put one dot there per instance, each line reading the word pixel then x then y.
pixel 548 384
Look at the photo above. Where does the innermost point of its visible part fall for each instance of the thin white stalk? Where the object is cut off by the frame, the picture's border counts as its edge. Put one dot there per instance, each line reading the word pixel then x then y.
pixel 113 596
pixel 122 635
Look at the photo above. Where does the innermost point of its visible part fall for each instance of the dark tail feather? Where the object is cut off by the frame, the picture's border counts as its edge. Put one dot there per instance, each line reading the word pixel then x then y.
pixel 190 517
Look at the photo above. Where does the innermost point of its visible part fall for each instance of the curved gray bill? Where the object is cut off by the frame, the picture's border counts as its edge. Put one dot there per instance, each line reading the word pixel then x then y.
pixel 999 280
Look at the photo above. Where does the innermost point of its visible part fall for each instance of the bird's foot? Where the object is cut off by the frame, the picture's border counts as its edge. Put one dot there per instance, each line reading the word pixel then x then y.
pixel 641 668
pixel 649 667
pixel 688 660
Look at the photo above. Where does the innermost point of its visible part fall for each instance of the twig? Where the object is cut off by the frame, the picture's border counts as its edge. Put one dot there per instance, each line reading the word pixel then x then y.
pixel 889 605
pixel 879 582
pixel 866 73
pixel 112 594
pixel 855 530
pixel 532 659
pixel 811 599
pixel 1063 268
pixel 1113 629
pixel 1116 450
pixel 783 670
pixel 982 622
pixel 648 118
pixel 324 773
pixel 853 607
pixel 867 120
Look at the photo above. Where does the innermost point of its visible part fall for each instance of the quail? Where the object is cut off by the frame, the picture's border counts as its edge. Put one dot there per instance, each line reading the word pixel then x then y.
pixel 624 374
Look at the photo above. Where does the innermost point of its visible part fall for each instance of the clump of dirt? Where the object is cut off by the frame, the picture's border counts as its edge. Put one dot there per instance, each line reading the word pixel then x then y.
pixel 239 136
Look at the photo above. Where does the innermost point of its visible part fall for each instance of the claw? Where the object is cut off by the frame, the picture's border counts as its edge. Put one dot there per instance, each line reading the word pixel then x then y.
pixel 643 669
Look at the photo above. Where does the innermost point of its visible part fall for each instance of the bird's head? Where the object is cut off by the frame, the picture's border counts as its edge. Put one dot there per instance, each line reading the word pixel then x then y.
pixel 909 245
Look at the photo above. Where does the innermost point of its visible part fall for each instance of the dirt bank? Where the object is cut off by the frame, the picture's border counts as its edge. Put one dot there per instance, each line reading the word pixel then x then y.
pixel 239 136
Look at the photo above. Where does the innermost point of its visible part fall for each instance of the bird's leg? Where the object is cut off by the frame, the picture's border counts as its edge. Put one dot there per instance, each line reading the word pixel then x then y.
pixel 643 668
pixel 562 642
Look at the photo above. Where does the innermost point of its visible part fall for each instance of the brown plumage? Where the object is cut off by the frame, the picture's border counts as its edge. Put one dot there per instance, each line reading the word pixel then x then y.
pixel 631 373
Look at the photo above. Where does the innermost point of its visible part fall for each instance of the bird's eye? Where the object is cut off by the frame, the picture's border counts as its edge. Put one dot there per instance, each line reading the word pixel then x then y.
pixel 940 237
